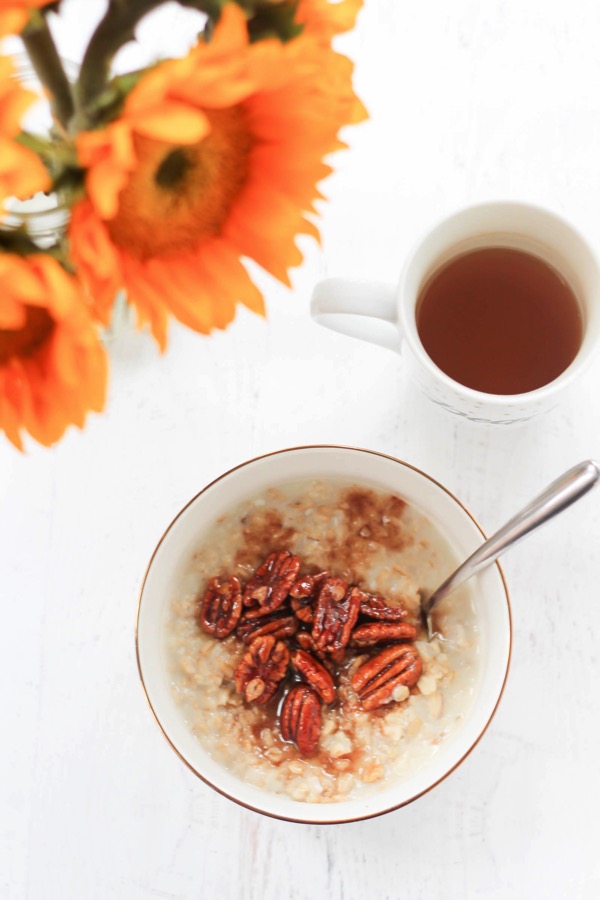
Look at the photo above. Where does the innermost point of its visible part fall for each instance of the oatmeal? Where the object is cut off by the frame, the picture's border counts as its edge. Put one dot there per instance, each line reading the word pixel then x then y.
pixel 297 652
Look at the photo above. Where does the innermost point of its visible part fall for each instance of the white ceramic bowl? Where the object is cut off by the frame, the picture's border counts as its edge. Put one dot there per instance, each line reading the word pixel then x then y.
pixel 372 469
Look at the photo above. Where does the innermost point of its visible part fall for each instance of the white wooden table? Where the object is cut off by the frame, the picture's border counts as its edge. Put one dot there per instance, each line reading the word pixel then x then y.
pixel 468 101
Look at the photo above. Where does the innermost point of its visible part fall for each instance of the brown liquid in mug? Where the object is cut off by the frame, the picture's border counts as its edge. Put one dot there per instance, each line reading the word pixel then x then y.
pixel 499 320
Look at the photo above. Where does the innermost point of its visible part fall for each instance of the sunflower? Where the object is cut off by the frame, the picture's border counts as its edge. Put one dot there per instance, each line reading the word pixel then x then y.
pixel 52 366
pixel 14 14
pixel 253 123
pixel 21 171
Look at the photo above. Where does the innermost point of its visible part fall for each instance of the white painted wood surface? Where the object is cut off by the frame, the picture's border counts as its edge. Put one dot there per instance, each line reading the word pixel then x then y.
pixel 468 101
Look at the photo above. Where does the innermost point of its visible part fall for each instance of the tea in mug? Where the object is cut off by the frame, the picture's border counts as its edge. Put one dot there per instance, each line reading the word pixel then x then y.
pixel 499 320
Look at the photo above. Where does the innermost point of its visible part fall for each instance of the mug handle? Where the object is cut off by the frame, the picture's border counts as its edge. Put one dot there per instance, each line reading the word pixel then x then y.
pixel 337 302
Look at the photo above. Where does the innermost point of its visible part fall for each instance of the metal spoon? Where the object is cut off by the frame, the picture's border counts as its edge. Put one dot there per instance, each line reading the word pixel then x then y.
pixel 558 496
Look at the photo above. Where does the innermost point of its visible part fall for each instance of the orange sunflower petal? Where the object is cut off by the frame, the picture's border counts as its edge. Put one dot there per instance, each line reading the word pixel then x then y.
pixel 176 118
pixel 19 283
pixel 12 21
pixel 22 174
pixel 14 400
pixel 12 314
pixel 14 14
pixel 109 156
pixel 325 19
pixel 219 264
pixel 147 299
pixel 96 259
pixel 185 296
pixel 15 99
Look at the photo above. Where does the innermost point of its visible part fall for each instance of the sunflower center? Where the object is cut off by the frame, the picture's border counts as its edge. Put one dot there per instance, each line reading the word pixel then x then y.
pixel 24 342
pixel 172 171
pixel 179 196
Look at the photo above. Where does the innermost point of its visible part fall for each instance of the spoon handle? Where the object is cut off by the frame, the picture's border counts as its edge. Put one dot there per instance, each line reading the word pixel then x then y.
pixel 558 496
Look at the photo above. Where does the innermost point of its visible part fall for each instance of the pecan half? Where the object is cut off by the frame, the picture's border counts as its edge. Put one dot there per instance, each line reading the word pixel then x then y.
pixel 306 587
pixel 375 680
pixel 271 583
pixel 221 607
pixel 380 632
pixel 280 624
pixel 303 587
pixel 377 608
pixel 336 613
pixel 300 718
pixel 314 674
pixel 263 666
pixel 304 612
pixel 303 594
pixel 306 641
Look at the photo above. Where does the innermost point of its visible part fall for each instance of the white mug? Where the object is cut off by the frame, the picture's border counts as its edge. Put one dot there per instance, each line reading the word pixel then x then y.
pixel 387 314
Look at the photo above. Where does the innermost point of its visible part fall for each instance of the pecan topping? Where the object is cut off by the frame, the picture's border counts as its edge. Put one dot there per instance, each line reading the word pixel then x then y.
pixel 303 587
pixel 375 680
pixel 280 623
pixel 300 718
pixel 263 666
pixel 377 608
pixel 307 586
pixel 380 632
pixel 303 611
pixel 271 583
pixel 306 641
pixel 303 594
pixel 221 607
pixel 336 613
pixel 314 674
pixel 310 623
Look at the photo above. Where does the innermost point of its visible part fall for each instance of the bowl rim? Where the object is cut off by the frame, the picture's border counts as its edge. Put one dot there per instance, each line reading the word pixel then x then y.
pixel 307 820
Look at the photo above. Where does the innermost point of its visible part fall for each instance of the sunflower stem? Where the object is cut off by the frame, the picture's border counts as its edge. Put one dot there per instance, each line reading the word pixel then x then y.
pixel 42 52
pixel 114 30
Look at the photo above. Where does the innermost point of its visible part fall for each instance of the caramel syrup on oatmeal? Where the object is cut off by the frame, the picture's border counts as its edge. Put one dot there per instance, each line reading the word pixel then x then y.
pixel 499 320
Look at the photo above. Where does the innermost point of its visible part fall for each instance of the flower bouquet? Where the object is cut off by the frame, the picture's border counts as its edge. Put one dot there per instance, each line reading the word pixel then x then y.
pixel 170 176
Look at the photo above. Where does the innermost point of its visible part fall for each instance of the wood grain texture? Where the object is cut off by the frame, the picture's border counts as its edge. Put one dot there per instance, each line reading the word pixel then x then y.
pixel 468 101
